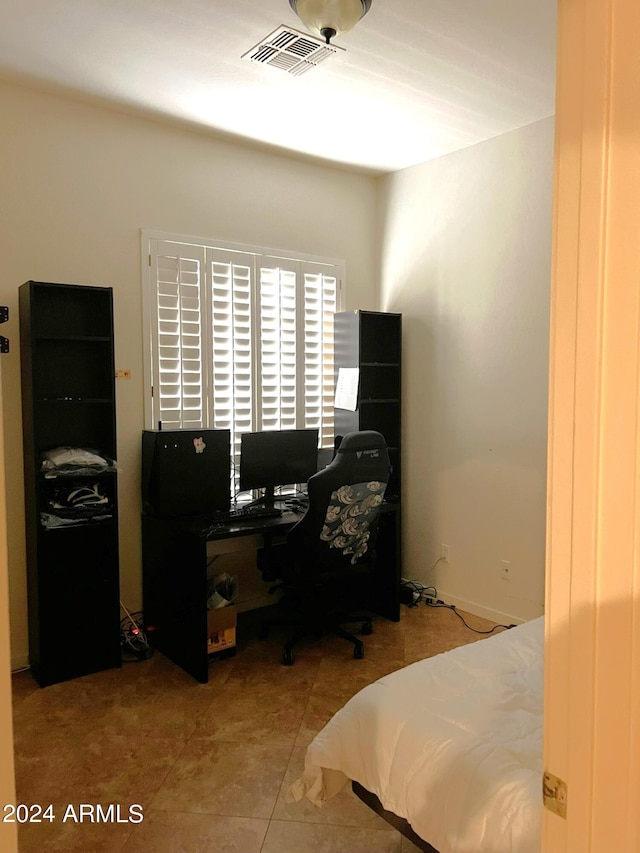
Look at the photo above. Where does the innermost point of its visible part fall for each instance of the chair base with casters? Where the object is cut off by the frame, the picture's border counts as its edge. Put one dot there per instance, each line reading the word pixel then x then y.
pixel 358 645
pixel 316 624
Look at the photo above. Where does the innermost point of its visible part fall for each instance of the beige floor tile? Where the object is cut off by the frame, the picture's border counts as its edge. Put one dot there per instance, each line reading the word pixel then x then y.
pixel 116 701
pixel 236 779
pixel 274 678
pixel 94 769
pixel 290 837
pixel 318 711
pixel 173 716
pixel 253 717
pixel 178 832
pixel 66 707
pixel 23 685
pixel 71 837
pixel 434 630
pixel 388 627
pixel 347 677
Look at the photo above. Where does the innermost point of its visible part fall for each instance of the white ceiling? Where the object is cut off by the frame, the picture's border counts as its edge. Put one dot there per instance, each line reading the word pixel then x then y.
pixel 418 78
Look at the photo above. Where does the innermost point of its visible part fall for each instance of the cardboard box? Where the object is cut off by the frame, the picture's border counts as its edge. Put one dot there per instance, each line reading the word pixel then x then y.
pixel 221 629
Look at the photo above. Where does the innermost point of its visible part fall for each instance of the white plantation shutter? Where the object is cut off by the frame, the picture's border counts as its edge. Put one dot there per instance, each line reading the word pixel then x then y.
pixel 320 294
pixel 240 339
pixel 277 332
pixel 231 358
pixel 179 338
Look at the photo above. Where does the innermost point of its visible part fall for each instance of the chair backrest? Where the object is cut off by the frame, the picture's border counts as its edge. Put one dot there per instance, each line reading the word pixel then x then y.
pixel 340 525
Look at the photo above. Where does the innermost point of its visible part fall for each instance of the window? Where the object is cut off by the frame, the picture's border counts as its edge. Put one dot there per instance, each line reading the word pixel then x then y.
pixel 237 337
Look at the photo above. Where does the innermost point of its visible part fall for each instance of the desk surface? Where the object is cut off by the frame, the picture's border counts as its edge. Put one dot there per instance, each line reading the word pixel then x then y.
pixel 211 530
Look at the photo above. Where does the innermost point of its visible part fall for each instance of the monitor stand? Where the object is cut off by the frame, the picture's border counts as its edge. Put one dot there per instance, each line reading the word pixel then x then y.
pixel 267 500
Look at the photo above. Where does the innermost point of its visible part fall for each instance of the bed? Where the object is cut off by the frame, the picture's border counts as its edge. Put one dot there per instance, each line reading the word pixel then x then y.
pixel 450 746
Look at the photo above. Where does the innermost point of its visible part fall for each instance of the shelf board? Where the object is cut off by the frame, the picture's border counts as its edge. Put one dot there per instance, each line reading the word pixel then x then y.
pixel 100 400
pixel 83 473
pixel 86 524
pixel 379 364
pixel 67 338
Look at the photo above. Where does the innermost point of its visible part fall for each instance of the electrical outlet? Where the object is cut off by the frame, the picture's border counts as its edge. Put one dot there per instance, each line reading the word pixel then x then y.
pixel 445 554
pixel 505 570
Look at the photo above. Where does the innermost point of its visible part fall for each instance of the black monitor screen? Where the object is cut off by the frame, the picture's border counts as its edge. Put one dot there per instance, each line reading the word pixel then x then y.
pixel 277 458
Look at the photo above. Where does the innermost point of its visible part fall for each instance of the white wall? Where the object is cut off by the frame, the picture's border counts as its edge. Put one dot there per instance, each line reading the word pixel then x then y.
pixel 465 256
pixel 77 184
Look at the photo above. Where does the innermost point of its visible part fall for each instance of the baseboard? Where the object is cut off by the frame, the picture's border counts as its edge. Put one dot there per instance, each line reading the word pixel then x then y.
pixel 476 609
pixel 20 662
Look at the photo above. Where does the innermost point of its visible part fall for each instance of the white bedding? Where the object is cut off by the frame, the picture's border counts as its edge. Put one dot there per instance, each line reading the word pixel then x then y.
pixel 452 743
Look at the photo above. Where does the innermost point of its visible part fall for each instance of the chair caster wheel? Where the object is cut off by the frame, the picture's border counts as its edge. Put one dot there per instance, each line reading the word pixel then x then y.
pixel 287 657
pixel 367 628
pixel 358 651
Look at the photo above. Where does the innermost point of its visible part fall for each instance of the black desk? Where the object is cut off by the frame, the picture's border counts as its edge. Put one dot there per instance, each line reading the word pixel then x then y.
pixel 174 577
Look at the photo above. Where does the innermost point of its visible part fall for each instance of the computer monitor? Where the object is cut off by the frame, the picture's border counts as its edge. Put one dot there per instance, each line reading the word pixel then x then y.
pixel 186 472
pixel 277 458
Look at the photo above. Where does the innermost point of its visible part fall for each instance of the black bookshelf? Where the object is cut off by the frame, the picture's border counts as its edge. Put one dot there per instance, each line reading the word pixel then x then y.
pixel 372 342
pixel 68 400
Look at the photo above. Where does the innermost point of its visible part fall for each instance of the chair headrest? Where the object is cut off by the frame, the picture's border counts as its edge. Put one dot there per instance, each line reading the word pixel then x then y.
pixel 367 439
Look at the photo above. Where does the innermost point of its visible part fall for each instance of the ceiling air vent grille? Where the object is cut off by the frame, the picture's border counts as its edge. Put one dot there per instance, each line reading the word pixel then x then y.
pixel 291 51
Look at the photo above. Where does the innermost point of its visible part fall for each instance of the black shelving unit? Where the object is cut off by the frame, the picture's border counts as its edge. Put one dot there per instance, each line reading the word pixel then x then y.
pixel 68 400
pixel 372 342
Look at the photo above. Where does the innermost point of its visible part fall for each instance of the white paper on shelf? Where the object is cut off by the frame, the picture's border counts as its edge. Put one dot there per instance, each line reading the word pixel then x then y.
pixel 347 388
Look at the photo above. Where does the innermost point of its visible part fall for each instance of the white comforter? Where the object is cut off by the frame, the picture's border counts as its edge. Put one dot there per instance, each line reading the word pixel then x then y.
pixel 452 743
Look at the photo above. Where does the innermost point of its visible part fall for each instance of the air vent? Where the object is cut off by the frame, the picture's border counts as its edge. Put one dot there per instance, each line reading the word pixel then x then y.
pixel 291 51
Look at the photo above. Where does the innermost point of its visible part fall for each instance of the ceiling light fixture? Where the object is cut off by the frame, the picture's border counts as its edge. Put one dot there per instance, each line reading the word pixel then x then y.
pixel 329 18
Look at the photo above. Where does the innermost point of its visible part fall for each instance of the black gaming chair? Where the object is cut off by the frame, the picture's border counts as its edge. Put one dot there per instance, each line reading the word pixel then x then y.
pixel 331 549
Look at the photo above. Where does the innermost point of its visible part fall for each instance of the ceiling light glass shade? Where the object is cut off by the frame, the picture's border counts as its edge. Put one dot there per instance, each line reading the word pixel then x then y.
pixel 329 18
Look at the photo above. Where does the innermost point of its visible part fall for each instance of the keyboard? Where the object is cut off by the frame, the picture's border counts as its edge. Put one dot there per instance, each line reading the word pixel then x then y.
pixel 246 513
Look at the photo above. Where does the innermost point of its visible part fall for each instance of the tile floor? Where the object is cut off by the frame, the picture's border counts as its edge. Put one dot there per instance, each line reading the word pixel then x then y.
pixel 209 764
